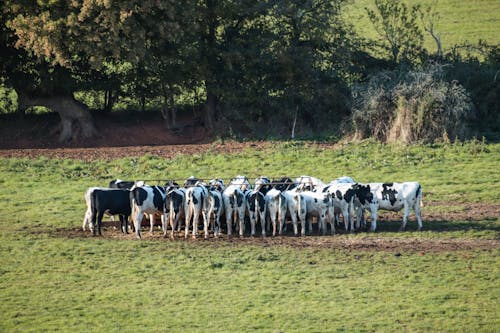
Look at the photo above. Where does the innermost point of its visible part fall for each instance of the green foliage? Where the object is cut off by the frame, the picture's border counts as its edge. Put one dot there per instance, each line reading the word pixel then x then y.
pixel 397 25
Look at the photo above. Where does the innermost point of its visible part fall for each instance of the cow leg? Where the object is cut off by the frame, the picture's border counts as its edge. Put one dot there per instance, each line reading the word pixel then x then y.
pixel 374 218
pixel 263 223
pixel 123 224
pixel 418 214
pixel 187 220
pixel 196 217
pixel 164 221
pixel 99 222
pixel 206 221
pixel 216 223
pixel 252 223
pixel 405 217
pixel 151 223
pixel 229 221
pixel 137 219
pixel 274 224
pixel 241 220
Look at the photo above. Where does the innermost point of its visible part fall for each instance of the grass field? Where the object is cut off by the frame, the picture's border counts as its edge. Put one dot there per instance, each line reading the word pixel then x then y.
pixel 55 277
pixel 460 21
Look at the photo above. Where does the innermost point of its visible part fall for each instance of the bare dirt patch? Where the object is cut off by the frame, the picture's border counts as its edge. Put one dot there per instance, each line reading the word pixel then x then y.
pixel 339 241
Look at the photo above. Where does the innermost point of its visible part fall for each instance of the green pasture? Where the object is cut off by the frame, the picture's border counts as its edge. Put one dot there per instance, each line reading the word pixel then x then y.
pixel 51 282
pixel 460 21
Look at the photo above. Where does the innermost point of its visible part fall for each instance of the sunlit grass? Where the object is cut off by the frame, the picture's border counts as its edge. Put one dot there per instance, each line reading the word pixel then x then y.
pixel 50 282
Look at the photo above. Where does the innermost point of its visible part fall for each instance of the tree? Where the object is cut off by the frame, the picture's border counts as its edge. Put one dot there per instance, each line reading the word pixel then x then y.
pixel 397 25
pixel 82 39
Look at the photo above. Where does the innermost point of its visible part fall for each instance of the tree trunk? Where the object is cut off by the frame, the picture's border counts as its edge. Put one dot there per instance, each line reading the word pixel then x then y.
pixel 70 110
pixel 209 111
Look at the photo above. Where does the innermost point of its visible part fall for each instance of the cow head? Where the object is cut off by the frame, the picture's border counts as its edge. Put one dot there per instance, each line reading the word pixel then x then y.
pixel 216 184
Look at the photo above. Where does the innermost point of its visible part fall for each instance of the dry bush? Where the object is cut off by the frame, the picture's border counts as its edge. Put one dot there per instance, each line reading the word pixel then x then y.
pixel 411 106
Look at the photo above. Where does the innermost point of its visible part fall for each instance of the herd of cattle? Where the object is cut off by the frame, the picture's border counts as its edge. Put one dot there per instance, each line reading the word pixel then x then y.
pixel 270 203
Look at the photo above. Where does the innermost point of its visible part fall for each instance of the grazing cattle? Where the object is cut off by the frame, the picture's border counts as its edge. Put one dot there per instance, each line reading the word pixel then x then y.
pixel 308 183
pixel 317 204
pixel 283 184
pixel 276 207
pixel 196 205
pixel 295 205
pixel 256 206
pixel 146 200
pixel 175 199
pixel 343 180
pixel 215 209
pixel 87 218
pixel 396 196
pixel 234 206
pixel 216 204
pixel 242 182
pixel 365 198
pixel 342 200
pixel 191 181
pixel 122 184
pixel 111 201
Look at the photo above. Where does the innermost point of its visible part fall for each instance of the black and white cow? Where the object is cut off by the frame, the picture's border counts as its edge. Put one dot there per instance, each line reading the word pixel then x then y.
pixel 292 204
pixel 365 199
pixel 397 196
pixel 235 204
pixel 242 182
pixel 146 200
pixel 196 207
pixel 121 184
pixel 110 201
pixel 175 200
pixel 308 183
pixel 216 204
pixel 191 181
pixel 342 201
pixel 256 207
pixel 317 204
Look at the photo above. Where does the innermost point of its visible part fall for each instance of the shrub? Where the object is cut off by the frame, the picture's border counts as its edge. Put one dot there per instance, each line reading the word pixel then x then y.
pixel 410 106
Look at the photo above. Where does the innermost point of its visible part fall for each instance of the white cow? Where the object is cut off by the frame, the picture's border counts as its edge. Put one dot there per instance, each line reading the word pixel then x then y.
pixel 276 207
pixel 295 205
pixel 397 196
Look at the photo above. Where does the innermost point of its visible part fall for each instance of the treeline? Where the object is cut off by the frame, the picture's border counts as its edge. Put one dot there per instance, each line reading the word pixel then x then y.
pixel 272 67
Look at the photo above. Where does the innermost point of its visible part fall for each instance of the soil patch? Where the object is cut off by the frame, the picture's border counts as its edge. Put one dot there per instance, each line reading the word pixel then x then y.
pixel 339 241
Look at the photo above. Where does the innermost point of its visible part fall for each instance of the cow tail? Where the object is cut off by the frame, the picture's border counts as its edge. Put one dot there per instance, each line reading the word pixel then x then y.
pixel 132 202
pixel 299 205
pixel 93 209
pixel 420 195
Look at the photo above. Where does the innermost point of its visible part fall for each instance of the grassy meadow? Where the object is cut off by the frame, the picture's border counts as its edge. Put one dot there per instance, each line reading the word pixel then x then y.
pixel 460 21
pixel 51 282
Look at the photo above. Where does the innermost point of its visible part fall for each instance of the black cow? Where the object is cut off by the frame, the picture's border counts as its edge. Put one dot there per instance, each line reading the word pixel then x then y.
pixel 110 201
